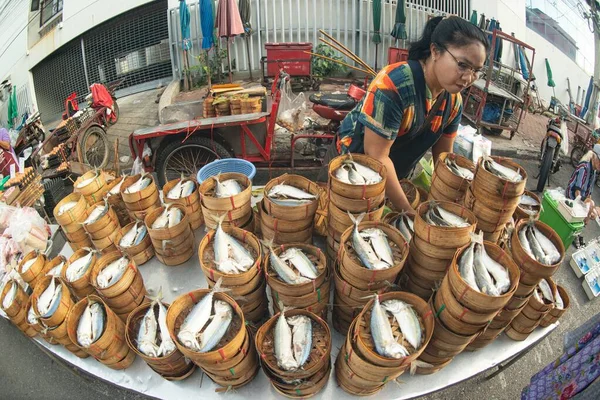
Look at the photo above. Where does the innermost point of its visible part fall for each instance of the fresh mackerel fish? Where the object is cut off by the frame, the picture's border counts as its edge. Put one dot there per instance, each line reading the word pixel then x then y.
pixel 501 171
pixel 381 332
pixel 363 248
pixel 459 171
pixel 407 319
pixel 438 216
pixel 287 195
pixel 231 257
pixel 227 188
pixel 91 324
pixel 197 318
pixel 301 262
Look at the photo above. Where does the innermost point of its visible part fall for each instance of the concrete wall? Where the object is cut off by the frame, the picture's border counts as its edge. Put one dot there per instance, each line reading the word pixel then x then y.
pixel 511 14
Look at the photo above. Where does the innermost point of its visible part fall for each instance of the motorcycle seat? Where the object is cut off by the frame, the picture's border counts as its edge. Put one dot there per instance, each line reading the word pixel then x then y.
pixel 336 101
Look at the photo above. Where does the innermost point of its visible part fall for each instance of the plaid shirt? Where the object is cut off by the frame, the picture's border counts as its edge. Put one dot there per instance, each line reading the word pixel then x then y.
pixel 583 179
pixel 390 108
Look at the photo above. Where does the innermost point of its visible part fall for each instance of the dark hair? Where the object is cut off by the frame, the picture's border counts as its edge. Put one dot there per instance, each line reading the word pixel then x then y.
pixel 445 32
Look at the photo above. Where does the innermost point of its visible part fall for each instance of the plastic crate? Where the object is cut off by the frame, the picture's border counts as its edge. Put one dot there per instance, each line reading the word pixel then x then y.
pixel 552 217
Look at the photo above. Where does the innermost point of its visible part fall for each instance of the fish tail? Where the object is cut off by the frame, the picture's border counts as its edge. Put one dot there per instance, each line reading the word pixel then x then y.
pixel 268 243
pixel 477 237
pixel 356 220
pixel 218 287
pixel 217 177
pixel 221 218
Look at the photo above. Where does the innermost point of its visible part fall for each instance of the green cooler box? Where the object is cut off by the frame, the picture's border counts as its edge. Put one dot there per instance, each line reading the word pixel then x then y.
pixel 552 217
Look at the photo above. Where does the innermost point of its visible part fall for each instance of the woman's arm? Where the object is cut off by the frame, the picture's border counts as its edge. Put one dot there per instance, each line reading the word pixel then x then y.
pixel 4 145
pixel 379 148
pixel 443 145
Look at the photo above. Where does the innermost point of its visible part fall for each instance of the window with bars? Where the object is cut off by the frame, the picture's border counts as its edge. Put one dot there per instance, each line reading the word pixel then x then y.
pixel 49 8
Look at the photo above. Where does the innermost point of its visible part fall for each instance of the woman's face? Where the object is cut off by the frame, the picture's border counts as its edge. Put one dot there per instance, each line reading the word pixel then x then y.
pixel 456 68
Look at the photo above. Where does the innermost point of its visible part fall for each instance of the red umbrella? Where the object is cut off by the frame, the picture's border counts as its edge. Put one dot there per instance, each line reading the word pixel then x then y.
pixel 229 24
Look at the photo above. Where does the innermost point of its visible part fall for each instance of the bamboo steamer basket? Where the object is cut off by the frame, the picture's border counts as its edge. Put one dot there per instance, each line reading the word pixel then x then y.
pixel 180 228
pixel 37 326
pixel 434 369
pixel 238 373
pixel 292 213
pixel 17 310
pixel 212 203
pixel 348 292
pixel 104 225
pixel 117 203
pixel 34 273
pixel 246 348
pixel 356 205
pixel 433 356
pixel 50 264
pixel 168 248
pixel 107 244
pixel 433 264
pixel 517 302
pixel 305 390
pixel 320 352
pixel 521 213
pixel 496 186
pixel 320 295
pixel 161 245
pixel 445 237
pixel 133 198
pixel 524 290
pixel 127 289
pixel 348 386
pixel 143 206
pixel 236 217
pixel 440 191
pixel 94 186
pixel 75 350
pixel 487 337
pixel 504 317
pixel 173 366
pixel 80 235
pixel 65 304
pixel 457 310
pixel 487 218
pixel 172 261
pixel 365 278
pixel 516 335
pixel 73 216
pixel 282 225
pixel 340 220
pixel 422 273
pixel 414 287
pixel 446 340
pixel 233 341
pixel 411 192
pixel 348 376
pixel 443 173
pixel 533 271
pixel 455 321
pixel 534 307
pixel 357 191
pixel 111 346
pixel 300 236
pixel 433 251
pixel 304 288
pixel 363 336
pixel 523 324
pixel 141 252
pixel 555 313
pixel 477 301
pixel 192 202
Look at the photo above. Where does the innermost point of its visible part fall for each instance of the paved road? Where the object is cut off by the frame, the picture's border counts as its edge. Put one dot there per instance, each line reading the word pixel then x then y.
pixel 28 373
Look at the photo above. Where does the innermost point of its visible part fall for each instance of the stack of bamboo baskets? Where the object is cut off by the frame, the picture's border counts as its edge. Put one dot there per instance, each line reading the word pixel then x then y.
pixel 174 245
pixel 111 348
pixel 37 325
pixel 251 105
pixel 462 313
pixel 432 248
pixel 413 195
pixel 34 273
pixel 355 283
pixel 532 315
pixel 523 213
pixel 235 103
pixel 95 190
pixel 312 296
pixel 18 308
pixel 141 202
pixel 191 202
pixel 124 295
pixel 221 106
pixel 532 272
pixel 140 253
pixel 233 362
pixel 208 109
pixel 313 375
pixel 174 366
pixel 345 198
pixel 81 287
pixel 492 199
pixel 288 224
pixel 359 369
pixel 555 313
pixel 249 285
pixel 447 186
pixel 237 208
pixel 71 221
pixel 53 263
pixel 115 199
pixel 104 230
pixel 56 324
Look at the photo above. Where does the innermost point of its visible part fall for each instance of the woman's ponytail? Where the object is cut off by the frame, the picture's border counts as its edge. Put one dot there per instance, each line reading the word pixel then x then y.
pixel 421 49
pixel 446 32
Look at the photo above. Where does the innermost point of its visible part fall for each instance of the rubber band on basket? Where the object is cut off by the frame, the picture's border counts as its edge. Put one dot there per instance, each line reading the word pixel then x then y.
pixel 429 313
pixel 222 354
pixel 232 201
pixel 191 294
pixel 462 295
pixel 464 312
pixel 439 312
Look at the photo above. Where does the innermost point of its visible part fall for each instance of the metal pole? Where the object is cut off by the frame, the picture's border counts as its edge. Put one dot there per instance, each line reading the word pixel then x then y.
pixel 592 111
pixel 85 71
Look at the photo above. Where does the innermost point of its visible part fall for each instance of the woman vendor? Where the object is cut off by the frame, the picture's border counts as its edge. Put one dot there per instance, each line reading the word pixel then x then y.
pixel 414 106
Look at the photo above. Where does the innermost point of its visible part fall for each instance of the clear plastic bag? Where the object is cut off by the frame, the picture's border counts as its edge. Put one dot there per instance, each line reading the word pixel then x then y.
pixel 292 109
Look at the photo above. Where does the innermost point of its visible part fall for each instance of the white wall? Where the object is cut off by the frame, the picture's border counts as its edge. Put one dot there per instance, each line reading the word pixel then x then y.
pixel 511 14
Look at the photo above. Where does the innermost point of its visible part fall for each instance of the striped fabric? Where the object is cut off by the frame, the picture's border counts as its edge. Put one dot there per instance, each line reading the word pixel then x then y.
pixel 583 179
pixel 390 109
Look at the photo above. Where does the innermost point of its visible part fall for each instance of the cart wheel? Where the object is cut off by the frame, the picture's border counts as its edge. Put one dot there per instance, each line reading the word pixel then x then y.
pixel 94 147
pixel 576 154
pixel 176 158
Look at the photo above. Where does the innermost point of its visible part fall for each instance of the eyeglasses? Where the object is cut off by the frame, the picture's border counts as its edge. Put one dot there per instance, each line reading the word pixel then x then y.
pixel 463 67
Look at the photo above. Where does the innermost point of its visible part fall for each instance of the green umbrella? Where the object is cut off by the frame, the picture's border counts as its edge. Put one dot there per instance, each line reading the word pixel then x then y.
pixel 376 26
pixel 13 108
pixel 549 73
pixel 399 31
pixel 474 18
pixel 245 13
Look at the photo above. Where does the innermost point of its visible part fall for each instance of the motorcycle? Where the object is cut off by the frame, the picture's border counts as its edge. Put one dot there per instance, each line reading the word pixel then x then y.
pixel 335 107
pixel 110 88
pixel 555 142
pixel 31 134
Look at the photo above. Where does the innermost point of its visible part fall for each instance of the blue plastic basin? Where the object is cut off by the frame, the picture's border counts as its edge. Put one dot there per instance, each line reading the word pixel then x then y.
pixel 226 165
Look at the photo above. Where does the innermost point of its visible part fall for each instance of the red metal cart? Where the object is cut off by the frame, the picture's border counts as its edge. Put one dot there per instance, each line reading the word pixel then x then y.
pixel 185 147
pixel 292 57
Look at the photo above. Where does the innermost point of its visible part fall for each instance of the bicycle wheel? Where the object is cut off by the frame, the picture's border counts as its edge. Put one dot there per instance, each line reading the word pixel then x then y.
pixel 94 148
pixel 576 154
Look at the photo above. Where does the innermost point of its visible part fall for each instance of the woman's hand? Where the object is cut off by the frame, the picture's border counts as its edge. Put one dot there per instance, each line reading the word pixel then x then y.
pixel 379 148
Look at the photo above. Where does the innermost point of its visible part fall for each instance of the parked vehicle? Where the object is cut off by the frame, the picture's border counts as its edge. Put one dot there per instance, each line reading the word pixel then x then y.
pixel 335 107
pixel 31 134
pixel 555 142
